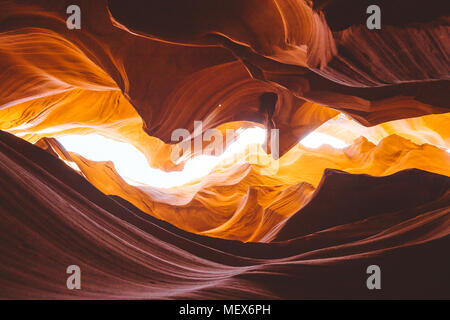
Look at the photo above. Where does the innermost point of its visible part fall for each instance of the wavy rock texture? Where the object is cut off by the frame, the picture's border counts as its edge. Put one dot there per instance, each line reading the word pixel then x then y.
pixel 246 201
pixel 125 253
pixel 304 226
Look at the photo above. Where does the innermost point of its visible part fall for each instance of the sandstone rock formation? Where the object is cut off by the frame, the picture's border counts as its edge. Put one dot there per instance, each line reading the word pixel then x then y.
pixel 138 70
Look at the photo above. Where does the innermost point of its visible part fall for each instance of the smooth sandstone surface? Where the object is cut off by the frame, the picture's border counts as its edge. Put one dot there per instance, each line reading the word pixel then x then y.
pixel 304 226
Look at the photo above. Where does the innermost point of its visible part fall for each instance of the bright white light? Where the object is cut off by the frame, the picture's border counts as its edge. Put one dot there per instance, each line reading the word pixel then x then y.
pixel 316 139
pixel 132 165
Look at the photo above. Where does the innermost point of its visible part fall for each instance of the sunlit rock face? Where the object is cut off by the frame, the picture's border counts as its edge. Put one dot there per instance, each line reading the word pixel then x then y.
pixel 257 226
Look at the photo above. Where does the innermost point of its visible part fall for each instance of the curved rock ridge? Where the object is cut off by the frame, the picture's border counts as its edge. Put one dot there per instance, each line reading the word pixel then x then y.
pixel 56 218
pixel 304 225
pixel 431 129
pixel 245 201
pixel 283 47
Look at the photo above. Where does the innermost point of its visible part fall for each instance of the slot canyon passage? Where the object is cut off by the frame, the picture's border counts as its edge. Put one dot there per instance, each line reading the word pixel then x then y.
pixel 303 224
